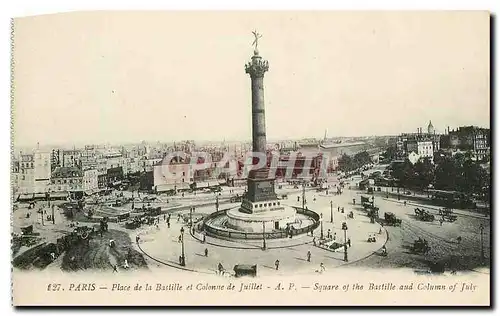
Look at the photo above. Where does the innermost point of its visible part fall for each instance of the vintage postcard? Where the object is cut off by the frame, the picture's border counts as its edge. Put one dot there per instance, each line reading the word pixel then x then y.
pixel 251 158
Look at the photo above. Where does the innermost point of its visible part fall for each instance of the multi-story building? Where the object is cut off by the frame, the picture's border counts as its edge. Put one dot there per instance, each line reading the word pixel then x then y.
pixel 113 160
pixel 42 171
pixel 71 158
pixel 26 181
pixel 68 179
pixel 423 144
pixel 425 149
pixel 55 159
pixel 174 175
pixel 469 138
pixel 15 175
pixel 90 181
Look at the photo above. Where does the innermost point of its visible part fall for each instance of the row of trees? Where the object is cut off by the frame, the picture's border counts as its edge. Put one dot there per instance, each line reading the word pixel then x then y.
pixel 457 173
pixel 350 163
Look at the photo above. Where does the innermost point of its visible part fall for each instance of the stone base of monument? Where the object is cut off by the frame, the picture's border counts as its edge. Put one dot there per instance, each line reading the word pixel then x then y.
pixel 265 221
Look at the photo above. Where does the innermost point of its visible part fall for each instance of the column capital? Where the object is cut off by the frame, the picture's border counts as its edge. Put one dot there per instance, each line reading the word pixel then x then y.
pixel 257 67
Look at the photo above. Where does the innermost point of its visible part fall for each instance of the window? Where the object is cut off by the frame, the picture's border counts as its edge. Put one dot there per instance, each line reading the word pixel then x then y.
pixel 260 205
pixel 278 203
pixel 265 204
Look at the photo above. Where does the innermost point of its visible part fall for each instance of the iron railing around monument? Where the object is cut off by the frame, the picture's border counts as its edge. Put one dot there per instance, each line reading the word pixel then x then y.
pixel 217 232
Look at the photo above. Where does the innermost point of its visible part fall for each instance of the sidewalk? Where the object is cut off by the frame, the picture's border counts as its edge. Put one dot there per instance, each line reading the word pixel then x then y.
pixel 162 247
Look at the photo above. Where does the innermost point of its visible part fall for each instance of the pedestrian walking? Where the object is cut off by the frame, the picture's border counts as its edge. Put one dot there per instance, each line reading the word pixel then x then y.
pixel 308 256
pixel 277 264
pixel 164 217
pixel 314 241
pixel 334 236
pixel 349 242
pixel 168 224
pixel 220 268
pixel 338 209
pixel 206 252
pixel 321 267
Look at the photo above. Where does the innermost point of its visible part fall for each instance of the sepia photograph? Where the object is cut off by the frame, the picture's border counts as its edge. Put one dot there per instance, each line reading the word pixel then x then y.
pixel 251 158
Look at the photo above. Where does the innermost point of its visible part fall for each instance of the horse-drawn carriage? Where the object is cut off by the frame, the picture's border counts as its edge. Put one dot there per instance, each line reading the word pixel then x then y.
pixel 424 215
pixel 366 201
pixel 391 219
pixel 133 223
pixel 447 215
pixel 153 211
pixel 420 246
pixel 245 270
pixel 237 198
pixel 28 230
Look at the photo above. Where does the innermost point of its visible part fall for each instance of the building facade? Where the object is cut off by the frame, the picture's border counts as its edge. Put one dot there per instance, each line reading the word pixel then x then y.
pixel 90 181
pixel 67 179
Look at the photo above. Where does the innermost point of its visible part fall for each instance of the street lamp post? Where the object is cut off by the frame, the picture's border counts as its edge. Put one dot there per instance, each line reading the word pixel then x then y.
pixel 264 236
pixel 344 228
pixel 216 202
pixel 41 213
pixel 182 258
pixel 321 222
pixel 331 211
pixel 303 195
pixel 481 228
pixel 53 217
pixel 191 209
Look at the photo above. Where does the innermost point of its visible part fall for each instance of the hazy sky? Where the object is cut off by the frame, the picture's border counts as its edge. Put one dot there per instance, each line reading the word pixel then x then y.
pixel 128 76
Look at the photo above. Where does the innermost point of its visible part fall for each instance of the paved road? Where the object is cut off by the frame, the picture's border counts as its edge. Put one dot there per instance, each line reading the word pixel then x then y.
pixel 162 245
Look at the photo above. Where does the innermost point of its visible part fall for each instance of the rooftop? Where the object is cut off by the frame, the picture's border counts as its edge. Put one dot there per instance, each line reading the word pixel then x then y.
pixel 66 172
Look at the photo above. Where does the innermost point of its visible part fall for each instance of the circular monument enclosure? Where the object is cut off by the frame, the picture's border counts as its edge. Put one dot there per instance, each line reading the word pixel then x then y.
pixel 282 223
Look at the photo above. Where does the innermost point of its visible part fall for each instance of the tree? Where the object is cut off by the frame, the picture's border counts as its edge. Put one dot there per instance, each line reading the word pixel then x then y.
pixel 345 163
pixel 446 175
pixel 424 173
pixel 474 177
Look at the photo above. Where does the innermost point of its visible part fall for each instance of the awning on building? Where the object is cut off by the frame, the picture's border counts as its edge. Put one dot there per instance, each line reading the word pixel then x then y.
pixel 207 184
pixel 25 197
pixel 169 187
pixel 56 195
pixel 92 191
